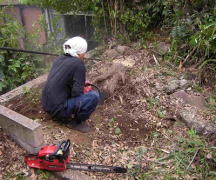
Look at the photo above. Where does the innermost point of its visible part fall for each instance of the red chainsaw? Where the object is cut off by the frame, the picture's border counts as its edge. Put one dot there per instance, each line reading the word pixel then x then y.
pixel 57 158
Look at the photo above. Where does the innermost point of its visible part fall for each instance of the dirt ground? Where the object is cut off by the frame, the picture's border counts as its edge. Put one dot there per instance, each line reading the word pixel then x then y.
pixel 106 145
pixel 133 127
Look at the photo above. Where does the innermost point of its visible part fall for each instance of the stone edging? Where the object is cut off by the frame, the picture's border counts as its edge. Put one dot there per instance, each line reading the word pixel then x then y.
pixel 26 132
pixel 22 89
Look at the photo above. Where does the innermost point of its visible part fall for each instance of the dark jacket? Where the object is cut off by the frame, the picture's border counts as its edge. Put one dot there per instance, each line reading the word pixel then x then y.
pixel 65 80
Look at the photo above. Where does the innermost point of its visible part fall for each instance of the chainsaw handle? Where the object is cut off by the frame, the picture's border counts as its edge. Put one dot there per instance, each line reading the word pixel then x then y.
pixel 67 145
pixel 101 95
pixel 64 146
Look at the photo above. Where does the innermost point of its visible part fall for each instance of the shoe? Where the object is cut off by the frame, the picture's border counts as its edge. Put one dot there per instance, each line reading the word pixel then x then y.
pixel 82 127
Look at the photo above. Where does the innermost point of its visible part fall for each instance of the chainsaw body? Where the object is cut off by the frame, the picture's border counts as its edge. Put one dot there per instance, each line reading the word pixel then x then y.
pixel 57 158
pixel 52 158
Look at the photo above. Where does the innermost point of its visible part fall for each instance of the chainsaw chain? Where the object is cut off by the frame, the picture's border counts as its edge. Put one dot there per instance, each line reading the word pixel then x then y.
pixel 96 168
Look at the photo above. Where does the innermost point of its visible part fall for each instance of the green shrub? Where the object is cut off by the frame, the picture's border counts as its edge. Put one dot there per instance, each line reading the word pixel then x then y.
pixel 191 24
pixel 15 68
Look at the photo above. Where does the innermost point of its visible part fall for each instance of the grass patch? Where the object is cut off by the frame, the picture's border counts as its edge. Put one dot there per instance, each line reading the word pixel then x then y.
pixel 192 158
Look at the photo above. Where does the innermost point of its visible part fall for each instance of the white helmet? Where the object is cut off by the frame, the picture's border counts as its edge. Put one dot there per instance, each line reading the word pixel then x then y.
pixel 75 46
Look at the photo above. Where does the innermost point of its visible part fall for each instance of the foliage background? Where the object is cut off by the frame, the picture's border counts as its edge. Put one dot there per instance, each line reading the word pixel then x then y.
pixel 15 68
pixel 190 26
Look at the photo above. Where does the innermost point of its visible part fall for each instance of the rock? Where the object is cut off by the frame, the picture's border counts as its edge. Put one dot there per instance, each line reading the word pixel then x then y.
pixel 111 53
pixel 135 44
pixel 72 175
pixel 162 48
pixel 209 156
pixel 91 53
pixel 176 84
pixel 193 119
pixel 141 150
pixel 158 86
pixel 117 131
pixel 193 100
pixel 122 49
pixel 209 129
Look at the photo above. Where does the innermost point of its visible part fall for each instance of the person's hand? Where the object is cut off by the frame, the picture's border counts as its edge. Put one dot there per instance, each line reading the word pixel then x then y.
pixel 87 88
pixel 87 83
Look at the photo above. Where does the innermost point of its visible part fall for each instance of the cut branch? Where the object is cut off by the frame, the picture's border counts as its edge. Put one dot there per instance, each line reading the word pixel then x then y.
pixel 186 59
pixel 192 159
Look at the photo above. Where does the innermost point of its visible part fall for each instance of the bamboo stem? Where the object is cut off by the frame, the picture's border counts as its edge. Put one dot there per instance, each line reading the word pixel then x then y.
pixel 188 56
pixel 116 11
pixel 102 3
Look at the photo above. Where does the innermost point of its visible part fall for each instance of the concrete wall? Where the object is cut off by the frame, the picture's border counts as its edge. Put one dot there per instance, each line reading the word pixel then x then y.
pixel 15 12
pixel 31 16
pixel 9 2
pixel 28 17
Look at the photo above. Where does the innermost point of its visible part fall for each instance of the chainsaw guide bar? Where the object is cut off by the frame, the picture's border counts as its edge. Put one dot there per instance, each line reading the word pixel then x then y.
pixel 96 168
pixel 57 158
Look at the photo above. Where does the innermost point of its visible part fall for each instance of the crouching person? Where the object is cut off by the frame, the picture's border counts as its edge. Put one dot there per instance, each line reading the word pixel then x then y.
pixel 63 96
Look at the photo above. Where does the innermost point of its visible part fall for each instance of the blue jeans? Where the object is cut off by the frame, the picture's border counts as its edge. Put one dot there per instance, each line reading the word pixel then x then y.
pixel 82 106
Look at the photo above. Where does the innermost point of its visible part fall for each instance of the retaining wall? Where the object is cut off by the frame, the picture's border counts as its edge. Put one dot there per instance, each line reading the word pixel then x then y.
pixel 26 132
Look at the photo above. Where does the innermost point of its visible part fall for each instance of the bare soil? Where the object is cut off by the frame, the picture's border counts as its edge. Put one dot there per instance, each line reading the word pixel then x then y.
pixel 133 128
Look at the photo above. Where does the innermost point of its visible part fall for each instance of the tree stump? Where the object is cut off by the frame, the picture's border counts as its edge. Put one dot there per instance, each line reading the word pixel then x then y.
pixel 109 80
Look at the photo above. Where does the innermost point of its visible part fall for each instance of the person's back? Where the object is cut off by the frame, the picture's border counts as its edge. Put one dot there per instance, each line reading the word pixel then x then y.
pixel 61 83
pixel 64 96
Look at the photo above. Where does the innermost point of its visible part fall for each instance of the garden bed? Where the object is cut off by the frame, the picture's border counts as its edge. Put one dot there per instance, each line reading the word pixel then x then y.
pixel 135 128
pixel 124 132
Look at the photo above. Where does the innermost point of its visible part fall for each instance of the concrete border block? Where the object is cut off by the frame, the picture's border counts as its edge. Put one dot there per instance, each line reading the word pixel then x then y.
pixel 27 133
pixel 23 130
pixel 21 90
